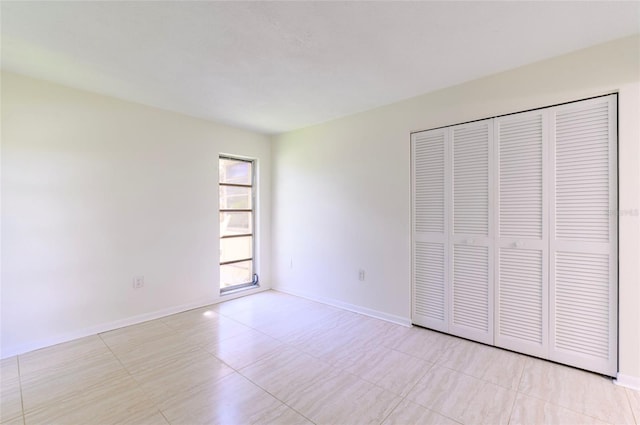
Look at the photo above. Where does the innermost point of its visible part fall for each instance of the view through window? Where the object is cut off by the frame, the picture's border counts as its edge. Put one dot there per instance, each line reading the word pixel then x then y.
pixel 237 216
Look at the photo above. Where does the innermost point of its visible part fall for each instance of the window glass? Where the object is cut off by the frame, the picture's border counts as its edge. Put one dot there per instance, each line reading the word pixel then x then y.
pixel 236 199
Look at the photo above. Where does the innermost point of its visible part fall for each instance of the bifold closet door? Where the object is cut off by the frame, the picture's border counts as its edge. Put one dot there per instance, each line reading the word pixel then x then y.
pixel 515 232
pixel 583 248
pixel 430 222
pixel 521 299
pixel 471 247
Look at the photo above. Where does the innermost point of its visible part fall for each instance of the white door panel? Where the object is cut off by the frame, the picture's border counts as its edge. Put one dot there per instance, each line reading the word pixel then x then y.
pixel 583 239
pixel 521 296
pixel 429 233
pixel 471 247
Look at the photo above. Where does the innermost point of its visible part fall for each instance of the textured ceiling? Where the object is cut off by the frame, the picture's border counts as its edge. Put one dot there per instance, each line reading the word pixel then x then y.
pixel 277 66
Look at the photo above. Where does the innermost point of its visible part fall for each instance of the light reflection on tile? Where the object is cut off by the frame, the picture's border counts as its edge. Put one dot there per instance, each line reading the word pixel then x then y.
pixel 189 319
pixel 230 400
pixel 213 331
pixel 244 349
pixel 261 301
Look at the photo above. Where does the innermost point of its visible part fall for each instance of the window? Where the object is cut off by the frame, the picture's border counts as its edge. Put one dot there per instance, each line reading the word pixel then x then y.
pixel 237 223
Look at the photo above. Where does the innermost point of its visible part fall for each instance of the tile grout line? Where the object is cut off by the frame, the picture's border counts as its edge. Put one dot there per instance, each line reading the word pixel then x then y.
pixel 553 403
pixel 392 409
pixel 133 378
pixel 200 347
pixel 329 365
pixel 273 395
pixel 633 413
pixel 403 398
pixel 238 371
pixel 256 361
pixel 20 386
pixel 479 378
pixel 245 377
pixel 517 391
pixel 291 346
pixel 433 366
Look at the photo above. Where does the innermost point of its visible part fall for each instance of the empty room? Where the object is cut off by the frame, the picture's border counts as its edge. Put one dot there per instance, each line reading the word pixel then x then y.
pixel 318 212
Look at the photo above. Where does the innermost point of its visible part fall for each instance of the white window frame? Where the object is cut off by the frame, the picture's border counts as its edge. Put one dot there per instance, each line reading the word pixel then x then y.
pixel 254 273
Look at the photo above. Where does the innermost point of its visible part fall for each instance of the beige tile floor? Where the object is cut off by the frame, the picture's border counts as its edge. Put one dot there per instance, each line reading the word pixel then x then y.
pixel 272 358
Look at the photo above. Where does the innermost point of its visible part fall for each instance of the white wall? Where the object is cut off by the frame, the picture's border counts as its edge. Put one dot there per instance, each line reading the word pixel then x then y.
pixel 342 189
pixel 97 190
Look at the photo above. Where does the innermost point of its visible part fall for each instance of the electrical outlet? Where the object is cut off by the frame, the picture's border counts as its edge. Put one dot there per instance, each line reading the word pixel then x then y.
pixel 138 282
pixel 361 275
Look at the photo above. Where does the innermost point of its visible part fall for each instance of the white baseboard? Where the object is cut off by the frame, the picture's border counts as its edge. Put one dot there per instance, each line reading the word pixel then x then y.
pixel 105 327
pixel 628 381
pixel 404 321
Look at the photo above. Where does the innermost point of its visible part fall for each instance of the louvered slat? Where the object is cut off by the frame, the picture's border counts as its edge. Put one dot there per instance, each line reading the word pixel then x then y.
pixel 471 287
pixel 520 177
pixel 429 182
pixel 520 294
pixel 429 156
pixel 582 303
pixel 429 284
pixel 582 173
pixel 471 180
pixel 583 243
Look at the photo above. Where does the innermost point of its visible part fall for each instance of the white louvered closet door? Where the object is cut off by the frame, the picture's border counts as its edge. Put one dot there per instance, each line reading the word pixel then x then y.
pixel 583 257
pixel 521 284
pixel 471 247
pixel 430 222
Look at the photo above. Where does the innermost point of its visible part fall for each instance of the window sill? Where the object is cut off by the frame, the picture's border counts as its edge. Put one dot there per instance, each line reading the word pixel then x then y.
pixel 240 289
